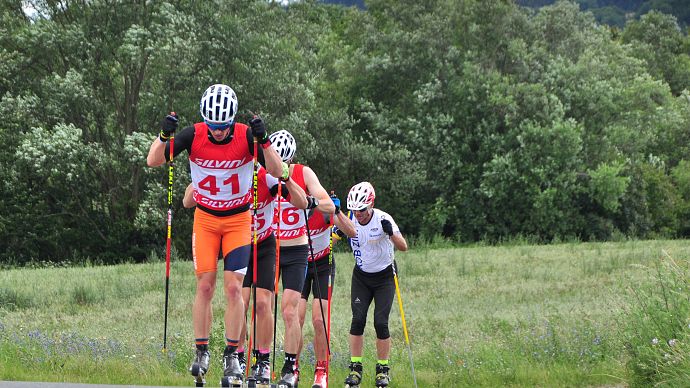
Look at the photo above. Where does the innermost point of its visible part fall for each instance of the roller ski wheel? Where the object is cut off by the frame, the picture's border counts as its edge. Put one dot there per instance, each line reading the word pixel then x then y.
pixel 382 377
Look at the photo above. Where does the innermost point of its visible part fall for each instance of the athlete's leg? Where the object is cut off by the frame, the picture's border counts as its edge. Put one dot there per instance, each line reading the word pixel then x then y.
pixel 360 299
pixel 205 247
pixel 383 301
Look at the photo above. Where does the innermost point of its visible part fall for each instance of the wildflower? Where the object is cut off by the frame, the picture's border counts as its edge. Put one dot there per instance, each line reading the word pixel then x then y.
pixel 672 342
pixel 655 341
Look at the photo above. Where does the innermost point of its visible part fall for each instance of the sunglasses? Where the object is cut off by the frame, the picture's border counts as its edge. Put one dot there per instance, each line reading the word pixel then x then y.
pixel 361 211
pixel 218 127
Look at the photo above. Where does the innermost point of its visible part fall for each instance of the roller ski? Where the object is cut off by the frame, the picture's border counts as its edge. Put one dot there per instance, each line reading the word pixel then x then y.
pixel 320 379
pixel 232 372
pixel 200 367
pixel 355 377
pixel 382 377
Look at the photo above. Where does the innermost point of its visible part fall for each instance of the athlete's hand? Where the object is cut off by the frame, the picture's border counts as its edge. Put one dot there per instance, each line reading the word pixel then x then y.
pixel 387 227
pixel 336 202
pixel 259 129
pixel 312 202
pixel 168 126
pixel 285 175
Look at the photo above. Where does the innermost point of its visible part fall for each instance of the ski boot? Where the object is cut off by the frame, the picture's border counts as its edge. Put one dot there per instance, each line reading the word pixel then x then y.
pixel 382 377
pixel 355 377
pixel 200 367
pixel 320 380
pixel 232 372
pixel 289 379
pixel 260 374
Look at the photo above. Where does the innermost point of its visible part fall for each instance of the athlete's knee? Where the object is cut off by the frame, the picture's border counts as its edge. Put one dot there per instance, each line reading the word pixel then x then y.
pixel 357 325
pixel 205 289
pixel 317 321
pixel 382 330
pixel 263 306
pixel 289 313
pixel 233 290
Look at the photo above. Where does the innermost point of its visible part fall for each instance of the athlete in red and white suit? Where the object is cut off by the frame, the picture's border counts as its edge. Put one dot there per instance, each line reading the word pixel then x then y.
pixel 294 249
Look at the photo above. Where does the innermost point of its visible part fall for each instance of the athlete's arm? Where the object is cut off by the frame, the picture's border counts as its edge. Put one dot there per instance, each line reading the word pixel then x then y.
pixel 297 196
pixel 399 241
pixel 314 187
pixel 159 152
pixel 290 191
pixel 188 200
pixel 267 157
pixel 345 225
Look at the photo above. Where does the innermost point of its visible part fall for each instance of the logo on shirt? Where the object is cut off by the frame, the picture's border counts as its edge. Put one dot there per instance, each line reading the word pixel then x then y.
pixel 357 300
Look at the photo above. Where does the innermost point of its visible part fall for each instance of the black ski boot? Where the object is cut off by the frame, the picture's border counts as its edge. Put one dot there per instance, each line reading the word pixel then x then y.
pixel 232 372
pixel 355 377
pixel 382 377
pixel 200 367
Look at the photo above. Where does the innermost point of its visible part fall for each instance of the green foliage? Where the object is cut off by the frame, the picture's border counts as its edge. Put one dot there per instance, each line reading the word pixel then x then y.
pixel 658 331
pixel 473 120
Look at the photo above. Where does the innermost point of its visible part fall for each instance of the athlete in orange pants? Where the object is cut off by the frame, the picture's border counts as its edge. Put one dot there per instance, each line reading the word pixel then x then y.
pixel 221 154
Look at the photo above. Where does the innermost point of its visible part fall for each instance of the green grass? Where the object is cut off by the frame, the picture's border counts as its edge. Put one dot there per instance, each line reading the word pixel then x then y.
pixel 520 315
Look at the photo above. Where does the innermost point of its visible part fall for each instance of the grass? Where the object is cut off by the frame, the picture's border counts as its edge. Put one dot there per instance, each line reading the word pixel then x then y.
pixel 519 315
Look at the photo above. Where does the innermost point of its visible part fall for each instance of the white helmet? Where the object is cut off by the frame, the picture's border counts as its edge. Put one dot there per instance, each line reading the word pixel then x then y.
pixel 218 104
pixel 284 144
pixel 361 196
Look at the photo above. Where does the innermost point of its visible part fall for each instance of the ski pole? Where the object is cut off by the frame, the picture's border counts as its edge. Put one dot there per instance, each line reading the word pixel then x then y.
pixel 330 292
pixel 402 316
pixel 168 242
pixel 316 280
pixel 255 243
pixel 275 285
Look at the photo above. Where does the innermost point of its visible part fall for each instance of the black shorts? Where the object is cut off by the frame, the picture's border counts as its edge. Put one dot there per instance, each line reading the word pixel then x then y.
pixel 323 270
pixel 293 266
pixel 266 264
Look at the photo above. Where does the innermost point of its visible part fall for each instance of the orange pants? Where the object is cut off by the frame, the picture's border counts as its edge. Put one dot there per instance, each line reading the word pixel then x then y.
pixel 211 233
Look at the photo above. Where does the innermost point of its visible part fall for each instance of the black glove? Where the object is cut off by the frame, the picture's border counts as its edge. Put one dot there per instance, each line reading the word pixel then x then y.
pixel 168 126
pixel 312 202
pixel 258 129
pixel 387 227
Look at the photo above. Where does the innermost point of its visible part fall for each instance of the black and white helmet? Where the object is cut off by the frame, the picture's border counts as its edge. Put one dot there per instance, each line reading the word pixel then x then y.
pixel 284 143
pixel 361 196
pixel 218 104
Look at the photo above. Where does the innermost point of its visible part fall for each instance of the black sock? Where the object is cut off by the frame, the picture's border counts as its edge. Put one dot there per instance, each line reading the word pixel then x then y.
pixel 290 359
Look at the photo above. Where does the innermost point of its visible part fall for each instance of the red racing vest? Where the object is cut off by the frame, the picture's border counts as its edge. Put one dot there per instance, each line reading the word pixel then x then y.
pixel 292 220
pixel 266 204
pixel 320 233
pixel 221 173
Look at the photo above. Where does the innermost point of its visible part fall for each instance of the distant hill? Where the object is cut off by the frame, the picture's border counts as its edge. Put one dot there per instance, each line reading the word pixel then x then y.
pixel 617 12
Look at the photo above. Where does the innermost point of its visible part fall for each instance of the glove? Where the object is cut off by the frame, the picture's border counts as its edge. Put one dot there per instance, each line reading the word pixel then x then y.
pixel 259 129
pixel 168 126
pixel 285 176
pixel 387 227
pixel 312 202
pixel 336 202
